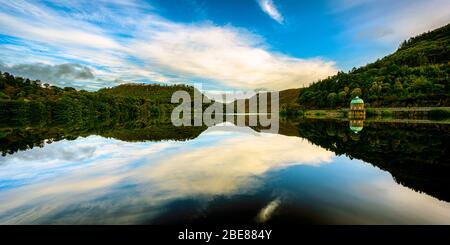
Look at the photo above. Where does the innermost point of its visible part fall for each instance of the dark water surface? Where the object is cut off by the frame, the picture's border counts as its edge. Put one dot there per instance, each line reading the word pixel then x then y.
pixel 312 172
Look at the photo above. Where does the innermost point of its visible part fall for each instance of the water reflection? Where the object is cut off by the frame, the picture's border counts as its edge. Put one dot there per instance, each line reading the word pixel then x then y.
pixel 356 125
pixel 213 164
pixel 231 163
pixel 224 174
pixel 416 154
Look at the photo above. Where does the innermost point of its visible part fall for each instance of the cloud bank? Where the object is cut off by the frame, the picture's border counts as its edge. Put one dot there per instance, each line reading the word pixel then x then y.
pixel 234 57
pixel 52 73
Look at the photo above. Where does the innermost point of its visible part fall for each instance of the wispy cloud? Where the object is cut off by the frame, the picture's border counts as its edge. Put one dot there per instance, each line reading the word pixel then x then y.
pixel 344 5
pixel 400 19
pixel 123 41
pixel 269 8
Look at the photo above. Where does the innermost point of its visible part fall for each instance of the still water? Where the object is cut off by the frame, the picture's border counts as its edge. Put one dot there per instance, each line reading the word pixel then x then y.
pixel 312 172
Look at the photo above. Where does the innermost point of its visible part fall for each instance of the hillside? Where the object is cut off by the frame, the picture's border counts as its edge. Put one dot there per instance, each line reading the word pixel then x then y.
pixel 27 102
pixel 417 74
pixel 153 92
pixel 287 101
pixel 289 96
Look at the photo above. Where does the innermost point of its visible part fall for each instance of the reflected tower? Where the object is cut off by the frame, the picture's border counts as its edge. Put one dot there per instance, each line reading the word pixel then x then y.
pixel 356 115
pixel 356 125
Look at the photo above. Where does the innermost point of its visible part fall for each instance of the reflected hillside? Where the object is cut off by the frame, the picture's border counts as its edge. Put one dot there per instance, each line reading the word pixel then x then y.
pixel 19 139
pixel 14 138
pixel 416 154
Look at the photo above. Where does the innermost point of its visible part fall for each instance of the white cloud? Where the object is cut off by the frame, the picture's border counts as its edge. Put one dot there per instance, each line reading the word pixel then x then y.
pixel 232 56
pixel 123 42
pixel 269 8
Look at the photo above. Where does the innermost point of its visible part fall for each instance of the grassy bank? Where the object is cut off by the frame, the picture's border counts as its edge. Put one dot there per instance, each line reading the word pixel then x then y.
pixel 434 113
pixel 324 113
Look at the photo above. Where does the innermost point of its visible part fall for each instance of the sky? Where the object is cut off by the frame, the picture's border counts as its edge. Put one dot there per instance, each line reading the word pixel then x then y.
pixel 224 45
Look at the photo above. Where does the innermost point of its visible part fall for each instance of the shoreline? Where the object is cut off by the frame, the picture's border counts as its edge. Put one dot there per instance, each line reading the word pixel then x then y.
pixel 421 113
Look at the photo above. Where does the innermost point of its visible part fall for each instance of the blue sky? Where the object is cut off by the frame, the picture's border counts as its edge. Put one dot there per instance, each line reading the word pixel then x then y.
pixel 233 44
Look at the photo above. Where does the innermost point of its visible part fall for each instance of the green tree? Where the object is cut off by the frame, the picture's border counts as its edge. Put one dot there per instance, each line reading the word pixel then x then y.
pixel 332 99
pixel 398 87
pixel 342 96
pixel 356 92
pixel 421 84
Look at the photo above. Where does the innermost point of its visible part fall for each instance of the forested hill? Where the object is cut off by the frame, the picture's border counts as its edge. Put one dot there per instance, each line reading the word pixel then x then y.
pixel 417 74
pixel 28 102
pixel 152 92
pixel 287 101
pixel 155 93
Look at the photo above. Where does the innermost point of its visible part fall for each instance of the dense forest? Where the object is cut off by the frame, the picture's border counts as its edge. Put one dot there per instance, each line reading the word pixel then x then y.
pixel 29 102
pixel 417 74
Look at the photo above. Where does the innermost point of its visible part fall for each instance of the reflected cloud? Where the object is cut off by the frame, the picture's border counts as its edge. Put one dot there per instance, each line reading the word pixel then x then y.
pixel 96 180
pixel 266 213
pixel 232 164
pixel 227 128
pixel 145 174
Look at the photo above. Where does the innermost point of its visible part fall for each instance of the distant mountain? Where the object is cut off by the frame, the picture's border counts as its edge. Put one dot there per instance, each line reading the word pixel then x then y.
pixel 417 74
